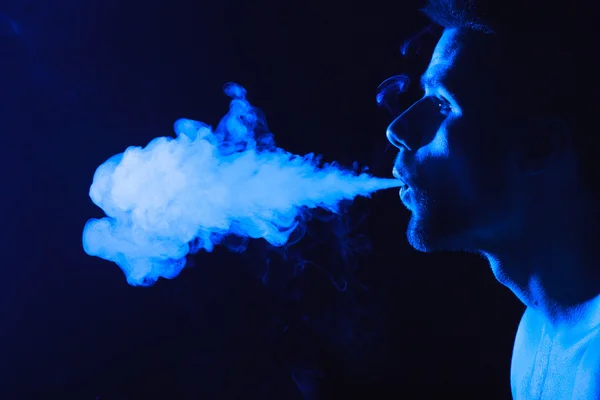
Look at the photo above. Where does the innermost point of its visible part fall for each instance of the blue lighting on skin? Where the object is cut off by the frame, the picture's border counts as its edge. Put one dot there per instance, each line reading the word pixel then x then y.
pixel 181 195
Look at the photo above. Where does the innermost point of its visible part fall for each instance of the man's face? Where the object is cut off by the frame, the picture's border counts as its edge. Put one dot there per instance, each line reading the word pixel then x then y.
pixel 455 154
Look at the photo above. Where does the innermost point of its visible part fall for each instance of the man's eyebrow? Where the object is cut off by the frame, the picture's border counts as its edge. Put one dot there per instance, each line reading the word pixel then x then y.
pixel 434 74
pixel 428 80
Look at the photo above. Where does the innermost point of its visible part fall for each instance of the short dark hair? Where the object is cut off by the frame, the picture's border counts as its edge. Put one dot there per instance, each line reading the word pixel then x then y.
pixel 553 44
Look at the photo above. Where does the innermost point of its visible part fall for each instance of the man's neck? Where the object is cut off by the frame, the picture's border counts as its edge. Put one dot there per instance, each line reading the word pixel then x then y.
pixel 556 274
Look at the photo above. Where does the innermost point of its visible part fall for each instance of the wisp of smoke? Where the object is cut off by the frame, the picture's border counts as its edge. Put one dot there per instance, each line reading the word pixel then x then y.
pixel 181 195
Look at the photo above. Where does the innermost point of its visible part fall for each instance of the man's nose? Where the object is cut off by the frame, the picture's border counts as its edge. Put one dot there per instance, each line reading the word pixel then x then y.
pixel 407 130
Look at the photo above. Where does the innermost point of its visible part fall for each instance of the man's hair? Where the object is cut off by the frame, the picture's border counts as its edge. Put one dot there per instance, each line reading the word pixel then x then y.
pixel 552 47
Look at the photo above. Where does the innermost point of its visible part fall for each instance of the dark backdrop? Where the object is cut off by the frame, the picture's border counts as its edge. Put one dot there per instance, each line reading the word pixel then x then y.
pixel 82 80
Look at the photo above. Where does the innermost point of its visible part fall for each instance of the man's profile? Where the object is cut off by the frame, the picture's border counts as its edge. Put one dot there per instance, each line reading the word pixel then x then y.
pixel 497 157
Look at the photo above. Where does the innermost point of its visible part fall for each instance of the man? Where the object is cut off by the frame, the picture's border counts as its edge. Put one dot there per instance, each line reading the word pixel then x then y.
pixel 497 160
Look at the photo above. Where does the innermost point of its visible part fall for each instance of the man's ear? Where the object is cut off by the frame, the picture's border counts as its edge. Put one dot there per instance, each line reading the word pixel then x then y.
pixel 544 141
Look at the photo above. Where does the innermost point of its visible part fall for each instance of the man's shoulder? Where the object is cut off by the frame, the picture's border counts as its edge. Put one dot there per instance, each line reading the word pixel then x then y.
pixel 529 330
pixel 582 355
pixel 587 384
pixel 591 356
pixel 526 342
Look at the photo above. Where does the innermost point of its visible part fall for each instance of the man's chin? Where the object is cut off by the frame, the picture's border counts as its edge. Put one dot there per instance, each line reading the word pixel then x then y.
pixel 424 238
pixel 419 240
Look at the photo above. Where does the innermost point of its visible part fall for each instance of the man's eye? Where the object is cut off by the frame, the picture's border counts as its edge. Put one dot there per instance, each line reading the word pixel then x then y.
pixel 442 105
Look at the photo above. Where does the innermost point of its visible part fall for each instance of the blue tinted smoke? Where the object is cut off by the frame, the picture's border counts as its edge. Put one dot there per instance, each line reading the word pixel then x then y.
pixel 180 195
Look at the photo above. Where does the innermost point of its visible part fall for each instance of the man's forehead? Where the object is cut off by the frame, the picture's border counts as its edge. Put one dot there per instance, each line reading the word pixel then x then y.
pixel 459 58
pixel 443 57
pixel 447 47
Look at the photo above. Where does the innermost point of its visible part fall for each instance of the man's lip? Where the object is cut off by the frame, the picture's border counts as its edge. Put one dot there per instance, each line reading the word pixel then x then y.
pixel 397 175
pixel 403 193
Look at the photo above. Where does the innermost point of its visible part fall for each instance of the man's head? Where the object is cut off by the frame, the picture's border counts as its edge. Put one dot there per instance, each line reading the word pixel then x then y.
pixel 500 141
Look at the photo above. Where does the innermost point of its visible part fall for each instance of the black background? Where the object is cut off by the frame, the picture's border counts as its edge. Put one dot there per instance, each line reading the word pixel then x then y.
pixel 82 80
